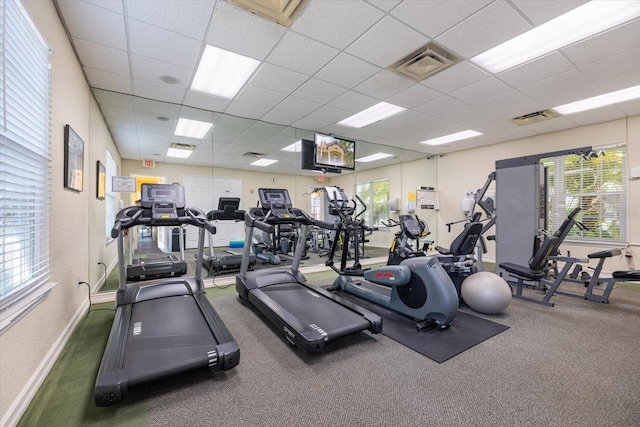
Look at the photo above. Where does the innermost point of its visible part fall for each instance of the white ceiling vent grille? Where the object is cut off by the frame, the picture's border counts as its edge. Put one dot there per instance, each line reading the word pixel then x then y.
pixel 536 117
pixel 282 12
pixel 254 154
pixel 425 62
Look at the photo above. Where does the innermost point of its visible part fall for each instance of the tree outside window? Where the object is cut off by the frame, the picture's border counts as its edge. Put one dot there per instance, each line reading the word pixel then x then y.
pixel 375 194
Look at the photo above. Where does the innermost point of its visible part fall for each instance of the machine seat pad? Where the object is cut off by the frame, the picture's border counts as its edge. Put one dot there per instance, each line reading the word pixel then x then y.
pixel 605 254
pixel 443 251
pixel 522 271
pixel 633 275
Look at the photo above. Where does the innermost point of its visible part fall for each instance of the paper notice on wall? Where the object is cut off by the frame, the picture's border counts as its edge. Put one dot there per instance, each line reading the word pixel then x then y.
pixel 428 199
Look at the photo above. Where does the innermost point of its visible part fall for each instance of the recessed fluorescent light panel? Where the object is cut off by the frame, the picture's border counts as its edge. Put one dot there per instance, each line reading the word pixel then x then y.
pixel 600 101
pixel 453 137
pixel 263 162
pixel 296 147
pixel 192 128
pixel 222 73
pixel 380 111
pixel 180 151
pixel 584 21
pixel 374 157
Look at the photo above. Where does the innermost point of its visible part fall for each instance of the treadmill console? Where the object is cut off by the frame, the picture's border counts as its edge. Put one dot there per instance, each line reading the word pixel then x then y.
pixel 277 201
pixel 164 200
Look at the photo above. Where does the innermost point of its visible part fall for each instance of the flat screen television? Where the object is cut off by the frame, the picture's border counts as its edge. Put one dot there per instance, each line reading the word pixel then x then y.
pixel 307 151
pixel 334 152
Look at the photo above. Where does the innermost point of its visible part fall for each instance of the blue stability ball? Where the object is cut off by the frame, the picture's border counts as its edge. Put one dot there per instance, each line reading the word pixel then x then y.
pixel 486 292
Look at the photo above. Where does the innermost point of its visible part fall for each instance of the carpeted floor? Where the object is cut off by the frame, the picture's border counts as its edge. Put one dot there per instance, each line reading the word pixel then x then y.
pixel 571 365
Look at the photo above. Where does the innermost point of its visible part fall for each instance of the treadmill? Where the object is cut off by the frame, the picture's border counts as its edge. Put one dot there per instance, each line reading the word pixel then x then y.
pixel 228 210
pixel 154 267
pixel 162 327
pixel 308 316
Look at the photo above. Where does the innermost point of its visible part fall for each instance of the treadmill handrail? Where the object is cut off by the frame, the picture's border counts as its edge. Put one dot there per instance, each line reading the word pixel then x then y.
pixel 265 220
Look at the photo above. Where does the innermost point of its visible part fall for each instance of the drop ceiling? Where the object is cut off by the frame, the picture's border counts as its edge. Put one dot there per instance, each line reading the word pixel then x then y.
pixel 333 61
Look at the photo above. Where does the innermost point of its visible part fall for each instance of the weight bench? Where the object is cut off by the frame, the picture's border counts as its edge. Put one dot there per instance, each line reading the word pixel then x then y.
pixel 537 271
pixel 595 279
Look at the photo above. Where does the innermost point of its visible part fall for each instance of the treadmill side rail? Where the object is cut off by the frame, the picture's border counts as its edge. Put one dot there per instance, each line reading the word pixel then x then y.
pixel 227 348
pixel 112 379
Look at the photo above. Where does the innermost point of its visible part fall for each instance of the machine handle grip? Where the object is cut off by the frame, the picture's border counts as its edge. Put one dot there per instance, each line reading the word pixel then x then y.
pixel 324 224
pixel 125 217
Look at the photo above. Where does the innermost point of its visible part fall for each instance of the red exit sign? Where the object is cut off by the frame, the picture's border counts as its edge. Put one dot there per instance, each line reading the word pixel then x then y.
pixel 148 163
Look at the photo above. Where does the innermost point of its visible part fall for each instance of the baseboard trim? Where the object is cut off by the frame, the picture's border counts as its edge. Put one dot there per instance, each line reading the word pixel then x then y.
pixel 22 401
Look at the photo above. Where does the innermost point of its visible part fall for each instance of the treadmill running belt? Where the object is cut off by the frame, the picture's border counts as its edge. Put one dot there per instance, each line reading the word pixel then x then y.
pixel 177 332
pixel 315 309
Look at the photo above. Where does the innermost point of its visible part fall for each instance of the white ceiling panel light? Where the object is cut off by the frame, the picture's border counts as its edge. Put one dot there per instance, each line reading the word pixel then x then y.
pixel 296 147
pixel 263 162
pixel 180 151
pixel 599 101
pixel 380 111
pixel 584 21
pixel 451 138
pixel 222 73
pixel 374 157
pixel 192 128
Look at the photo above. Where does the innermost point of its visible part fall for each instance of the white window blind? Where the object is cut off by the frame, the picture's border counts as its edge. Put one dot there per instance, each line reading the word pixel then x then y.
pixel 598 185
pixel 110 197
pixel 24 163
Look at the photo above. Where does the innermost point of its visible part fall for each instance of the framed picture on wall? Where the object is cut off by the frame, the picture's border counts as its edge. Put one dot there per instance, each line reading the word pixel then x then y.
pixel 101 180
pixel 73 160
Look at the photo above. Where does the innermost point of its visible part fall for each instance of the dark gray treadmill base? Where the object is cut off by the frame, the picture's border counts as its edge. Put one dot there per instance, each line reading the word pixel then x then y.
pixel 308 316
pixel 155 268
pixel 157 338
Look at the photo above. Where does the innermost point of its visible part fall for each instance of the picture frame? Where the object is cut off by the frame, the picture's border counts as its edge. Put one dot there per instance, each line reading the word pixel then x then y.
pixel 73 160
pixel 101 181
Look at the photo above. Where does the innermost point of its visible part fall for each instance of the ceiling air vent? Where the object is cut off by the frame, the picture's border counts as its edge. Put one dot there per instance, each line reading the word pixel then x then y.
pixel 282 12
pixel 425 62
pixel 536 117
pixel 254 154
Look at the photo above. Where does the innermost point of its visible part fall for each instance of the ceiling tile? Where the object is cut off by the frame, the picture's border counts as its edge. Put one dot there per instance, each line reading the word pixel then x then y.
pixel 337 14
pixel 439 106
pixel 434 17
pixel 491 26
pixel 95 24
pixel 295 105
pixel 413 96
pixel 353 102
pixel 102 57
pixel 347 71
pixel 456 77
pixel 509 104
pixel 561 89
pixel 105 80
pixel 536 70
pixel 329 114
pixel 383 85
pixel 241 32
pixel 610 43
pixel 162 91
pixel 172 15
pixel 278 79
pixel 385 43
pixel 163 45
pixel 311 123
pixel 280 117
pixel 259 96
pixel 604 114
pixel 611 68
pixel 151 70
pixel 319 91
pixel 480 90
pixel 385 5
pixel 300 53
pixel 541 11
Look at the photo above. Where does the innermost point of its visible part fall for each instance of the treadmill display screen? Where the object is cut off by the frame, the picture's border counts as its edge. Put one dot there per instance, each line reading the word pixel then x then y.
pixel 162 193
pixel 274 198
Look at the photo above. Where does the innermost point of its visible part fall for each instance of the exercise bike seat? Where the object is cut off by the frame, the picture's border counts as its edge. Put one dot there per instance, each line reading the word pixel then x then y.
pixel 466 241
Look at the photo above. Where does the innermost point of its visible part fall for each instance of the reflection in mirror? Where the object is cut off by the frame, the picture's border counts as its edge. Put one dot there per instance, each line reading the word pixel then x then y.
pixel 144 129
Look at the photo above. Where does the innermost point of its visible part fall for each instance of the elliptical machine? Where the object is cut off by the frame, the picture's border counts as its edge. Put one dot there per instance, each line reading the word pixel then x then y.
pixel 419 286
pixel 411 228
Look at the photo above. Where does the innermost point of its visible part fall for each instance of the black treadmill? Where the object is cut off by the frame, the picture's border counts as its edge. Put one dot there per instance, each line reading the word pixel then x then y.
pixel 308 316
pixel 162 327
pixel 228 210
pixel 156 267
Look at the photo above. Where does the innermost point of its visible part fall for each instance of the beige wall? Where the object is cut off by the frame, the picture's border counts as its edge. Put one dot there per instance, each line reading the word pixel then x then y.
pixel 25 347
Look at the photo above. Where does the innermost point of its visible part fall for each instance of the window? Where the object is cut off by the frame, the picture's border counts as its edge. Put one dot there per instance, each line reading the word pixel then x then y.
pixel 24 164
pixel 375 194
pixel 598 185
pixel 110 196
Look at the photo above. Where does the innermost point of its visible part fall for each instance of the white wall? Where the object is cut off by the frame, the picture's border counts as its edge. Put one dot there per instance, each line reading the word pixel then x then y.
pixel 28 348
